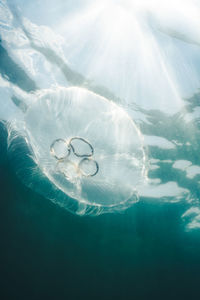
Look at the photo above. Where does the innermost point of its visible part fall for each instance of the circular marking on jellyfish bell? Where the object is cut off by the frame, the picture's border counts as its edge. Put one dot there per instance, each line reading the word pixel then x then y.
pixel 60 149
pixel 77 138
pixel 69 169
pixel 87 161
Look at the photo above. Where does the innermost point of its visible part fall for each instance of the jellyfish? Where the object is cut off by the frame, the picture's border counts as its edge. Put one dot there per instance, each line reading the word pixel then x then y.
pixel 78 149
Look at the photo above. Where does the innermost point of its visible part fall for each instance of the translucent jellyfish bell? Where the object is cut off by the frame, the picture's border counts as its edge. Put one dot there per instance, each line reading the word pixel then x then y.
pixel 86 147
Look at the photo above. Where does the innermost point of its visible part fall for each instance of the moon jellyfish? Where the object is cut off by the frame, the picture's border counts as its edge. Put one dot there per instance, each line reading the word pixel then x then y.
pixel 78 149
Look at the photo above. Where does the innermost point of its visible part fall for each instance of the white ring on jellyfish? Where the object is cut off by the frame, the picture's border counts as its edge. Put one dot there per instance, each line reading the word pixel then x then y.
pixel 107 138
pixel 94 162
pixel 69 169
pixel 86 142
pixel 53 150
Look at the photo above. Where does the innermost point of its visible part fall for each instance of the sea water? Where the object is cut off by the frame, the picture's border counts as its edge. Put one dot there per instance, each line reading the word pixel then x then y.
pixel 144 57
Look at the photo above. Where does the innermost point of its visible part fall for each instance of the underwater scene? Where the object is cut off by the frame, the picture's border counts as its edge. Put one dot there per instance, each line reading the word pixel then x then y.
pixel 99 149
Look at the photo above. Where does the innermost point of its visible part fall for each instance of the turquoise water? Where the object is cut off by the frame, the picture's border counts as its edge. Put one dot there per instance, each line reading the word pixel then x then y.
pixel 48 253
pixel 151 249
